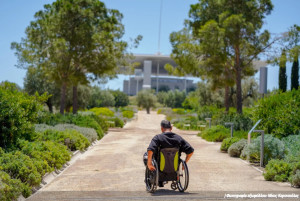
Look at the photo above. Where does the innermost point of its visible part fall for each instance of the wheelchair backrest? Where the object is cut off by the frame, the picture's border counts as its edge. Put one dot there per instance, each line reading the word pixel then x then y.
pixel 169 159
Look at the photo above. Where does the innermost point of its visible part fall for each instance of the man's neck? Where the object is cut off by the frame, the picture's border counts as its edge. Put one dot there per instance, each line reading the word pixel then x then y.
pixel 167 131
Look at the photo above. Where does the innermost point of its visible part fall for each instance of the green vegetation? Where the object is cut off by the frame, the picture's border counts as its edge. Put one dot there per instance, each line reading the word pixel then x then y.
pixel 146 99
pixel 273 149
pixel 102 111
pixel 228 142
pixel 70 138
pixel 280 113
pixel 236 148
pixel 86 27
pixel 215 134
pixel 18 111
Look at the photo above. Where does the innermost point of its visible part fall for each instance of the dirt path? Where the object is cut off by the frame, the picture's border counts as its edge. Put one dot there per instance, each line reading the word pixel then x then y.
pixel 115 165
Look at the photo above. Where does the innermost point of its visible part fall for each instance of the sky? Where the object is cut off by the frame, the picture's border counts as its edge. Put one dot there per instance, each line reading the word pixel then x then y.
pixel 140 17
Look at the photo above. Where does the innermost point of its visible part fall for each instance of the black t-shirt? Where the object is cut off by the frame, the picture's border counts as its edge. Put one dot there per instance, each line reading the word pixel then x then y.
pixel 170 140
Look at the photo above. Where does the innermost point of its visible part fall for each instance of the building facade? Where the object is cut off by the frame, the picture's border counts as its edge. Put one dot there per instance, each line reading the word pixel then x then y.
pixel 151 74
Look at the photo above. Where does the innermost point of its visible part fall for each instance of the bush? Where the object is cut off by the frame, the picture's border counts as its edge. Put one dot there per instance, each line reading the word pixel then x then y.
pixel 128 114
pixel 21 166
pixel 55 154
pixel 227 143
pixel 215 133
pixel 100 98
pixel 295 179
pixel 236 148
pixel 89 133
pixel 240 121
pixel 179 111
pixel 89 122
pixel 11 189
pixel 243 134
pixel 118 122
pixel 273 149
pixel 102 111
pixel 121 99
pixel 18 112
pixel 174 99
pixel 102 122
pixel 207 112
pixel 292 144
pixel 280 113
pixel 277 170
pixel 71 138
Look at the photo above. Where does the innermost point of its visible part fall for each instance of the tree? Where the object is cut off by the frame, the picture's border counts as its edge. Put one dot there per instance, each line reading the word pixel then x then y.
pixel 121 99
pixel 101 98
pixel 225 40
pixel 282 72
pixel 293 40
pixel 36 81
pixel 146 99
pixel 295 75
pixel 74 40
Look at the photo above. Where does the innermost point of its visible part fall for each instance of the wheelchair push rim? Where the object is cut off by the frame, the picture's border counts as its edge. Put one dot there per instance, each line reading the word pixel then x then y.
pixel 182 176
pixel 151 178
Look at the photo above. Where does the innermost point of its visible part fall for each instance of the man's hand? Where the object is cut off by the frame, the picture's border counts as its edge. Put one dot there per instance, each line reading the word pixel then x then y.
pixel 151 167
pixel 149 162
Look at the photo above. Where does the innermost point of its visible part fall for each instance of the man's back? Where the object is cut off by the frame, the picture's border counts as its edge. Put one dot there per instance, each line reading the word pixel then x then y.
pixel 170 140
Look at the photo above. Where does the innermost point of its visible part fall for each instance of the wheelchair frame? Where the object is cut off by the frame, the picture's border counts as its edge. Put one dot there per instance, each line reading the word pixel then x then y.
pixel 152 178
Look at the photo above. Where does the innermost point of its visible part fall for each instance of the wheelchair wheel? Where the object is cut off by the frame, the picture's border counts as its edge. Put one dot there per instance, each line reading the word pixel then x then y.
pixel 151 178
pixel 183 176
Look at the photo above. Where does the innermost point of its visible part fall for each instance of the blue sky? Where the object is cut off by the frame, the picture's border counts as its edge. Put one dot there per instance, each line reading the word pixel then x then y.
pixel 140 17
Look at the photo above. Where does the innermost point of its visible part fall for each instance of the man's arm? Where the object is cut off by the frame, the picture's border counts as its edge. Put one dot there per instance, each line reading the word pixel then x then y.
pixel 188 156
pixel 149 162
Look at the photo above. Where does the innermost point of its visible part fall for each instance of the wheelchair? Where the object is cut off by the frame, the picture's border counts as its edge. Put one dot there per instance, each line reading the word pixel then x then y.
pixel 169 167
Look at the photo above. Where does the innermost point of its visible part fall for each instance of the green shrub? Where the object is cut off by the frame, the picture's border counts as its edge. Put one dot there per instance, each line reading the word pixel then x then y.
pixel 121 99
pixel 89 133
pixel 227 143
pixel 207 112
pixel 240 121
pixel 277 170
pixel 71 138
pixel 215 133
pixel 89 122
pixel 102 122
pixel 280 113
pixel 21 166
pixel 55 154
pixel 101 98
pixel 173 99
pixel 295 179
pixel 118 122
pixel 128 114
pixel 102 111
pixel 243 134
pixel 292 144
pixel 11 189
pixel 179 111
pixel 273 149
pixel 236 148
pixel 18 112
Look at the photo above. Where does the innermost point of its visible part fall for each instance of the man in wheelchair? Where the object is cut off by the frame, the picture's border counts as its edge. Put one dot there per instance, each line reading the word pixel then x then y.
pixel 163 161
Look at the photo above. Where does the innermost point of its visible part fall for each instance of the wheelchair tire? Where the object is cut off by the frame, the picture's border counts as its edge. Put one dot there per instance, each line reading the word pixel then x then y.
pixel 183 176
pixel 151 178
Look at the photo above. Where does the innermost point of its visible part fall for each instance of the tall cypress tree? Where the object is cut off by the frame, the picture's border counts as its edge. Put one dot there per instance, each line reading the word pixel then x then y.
pixel 295 75
pixel 282 72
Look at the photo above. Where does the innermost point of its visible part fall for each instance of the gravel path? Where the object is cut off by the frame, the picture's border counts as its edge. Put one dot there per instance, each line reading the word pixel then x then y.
pixel 113 169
